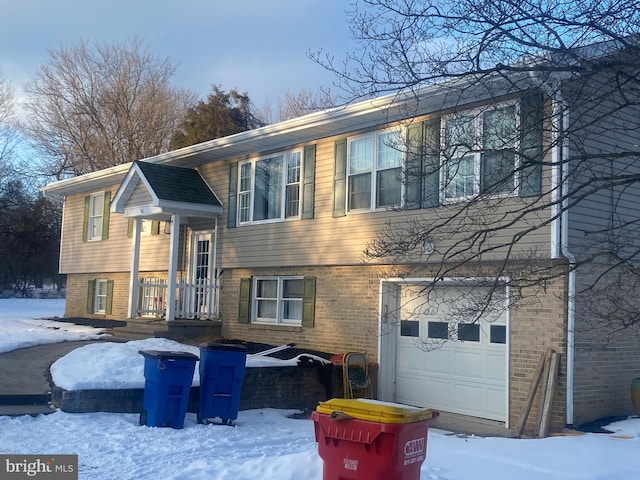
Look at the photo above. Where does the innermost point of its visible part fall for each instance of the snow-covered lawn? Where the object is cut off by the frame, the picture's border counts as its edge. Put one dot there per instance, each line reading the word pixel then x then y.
pixel 265 444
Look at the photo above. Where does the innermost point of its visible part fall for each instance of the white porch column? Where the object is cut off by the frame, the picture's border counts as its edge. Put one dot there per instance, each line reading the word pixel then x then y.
pixel 173 266
pixel 135 265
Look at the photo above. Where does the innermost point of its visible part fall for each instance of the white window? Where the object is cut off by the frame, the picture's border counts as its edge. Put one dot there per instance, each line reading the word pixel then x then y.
pixel 479 153
pixel 100 296
pixel 374 167
pixel 269 188
pixel 96 216
pixel 149 227
pixel 278 300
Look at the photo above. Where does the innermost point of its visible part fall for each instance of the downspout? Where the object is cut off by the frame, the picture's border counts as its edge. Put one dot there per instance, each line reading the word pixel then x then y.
pixel 560 230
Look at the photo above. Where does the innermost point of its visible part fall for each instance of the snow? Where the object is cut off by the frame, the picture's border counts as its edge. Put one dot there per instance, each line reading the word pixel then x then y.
pixel 264 444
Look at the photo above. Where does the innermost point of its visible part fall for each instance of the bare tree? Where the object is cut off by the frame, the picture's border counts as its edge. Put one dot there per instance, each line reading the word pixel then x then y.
pixel 92 106
pixel 295 105
pixel 8 132
pixel 577 62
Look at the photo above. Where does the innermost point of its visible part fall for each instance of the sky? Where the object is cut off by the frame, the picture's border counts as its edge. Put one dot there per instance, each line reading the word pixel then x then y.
pixel 256 46
pixel 264 443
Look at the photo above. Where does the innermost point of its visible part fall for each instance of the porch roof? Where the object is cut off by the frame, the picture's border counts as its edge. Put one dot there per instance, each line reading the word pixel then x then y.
pixel 161 190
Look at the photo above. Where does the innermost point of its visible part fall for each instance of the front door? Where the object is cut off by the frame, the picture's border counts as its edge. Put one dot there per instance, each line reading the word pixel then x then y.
pixel 202 290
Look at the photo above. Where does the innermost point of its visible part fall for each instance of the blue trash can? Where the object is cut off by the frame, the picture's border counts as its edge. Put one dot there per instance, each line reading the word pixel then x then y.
pixel 222 368
pixel 168 378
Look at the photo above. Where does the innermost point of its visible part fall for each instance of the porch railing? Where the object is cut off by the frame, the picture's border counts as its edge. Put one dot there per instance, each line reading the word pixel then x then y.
pixel 194 300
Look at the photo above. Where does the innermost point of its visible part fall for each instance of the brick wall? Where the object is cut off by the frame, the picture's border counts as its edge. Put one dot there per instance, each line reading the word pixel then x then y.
pixel 76 298
pixel 535 326
pixel 345 318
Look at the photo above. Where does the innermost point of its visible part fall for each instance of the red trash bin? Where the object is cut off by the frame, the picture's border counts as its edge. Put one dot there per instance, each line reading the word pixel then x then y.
pixel 362 439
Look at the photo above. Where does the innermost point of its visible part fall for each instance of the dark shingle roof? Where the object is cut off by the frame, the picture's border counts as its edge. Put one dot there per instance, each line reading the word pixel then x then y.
pixel 178 184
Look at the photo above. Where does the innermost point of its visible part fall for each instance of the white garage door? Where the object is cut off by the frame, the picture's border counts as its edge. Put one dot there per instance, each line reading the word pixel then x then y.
pixel 466 376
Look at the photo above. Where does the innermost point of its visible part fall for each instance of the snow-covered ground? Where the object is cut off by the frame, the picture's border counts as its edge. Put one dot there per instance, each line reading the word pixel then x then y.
pixel 264 444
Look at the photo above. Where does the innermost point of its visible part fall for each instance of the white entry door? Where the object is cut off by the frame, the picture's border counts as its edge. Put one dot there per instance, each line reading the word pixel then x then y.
pixel 201 274
pixel 467 373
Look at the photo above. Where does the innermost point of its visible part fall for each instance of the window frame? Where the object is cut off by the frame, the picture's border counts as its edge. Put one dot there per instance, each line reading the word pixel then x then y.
pixel 246 187
pixel 279 299
pixel 97 296
pixel 375 169
pixel 477 152
pixel 93 234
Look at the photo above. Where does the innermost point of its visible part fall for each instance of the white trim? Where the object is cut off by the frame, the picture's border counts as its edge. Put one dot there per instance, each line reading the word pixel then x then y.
pixel 135 263
pixel 96 296
pixel 278 320
pixel 91 217
pixel 174 247
pixel 478 150
pixel 284 155
pixel 373 171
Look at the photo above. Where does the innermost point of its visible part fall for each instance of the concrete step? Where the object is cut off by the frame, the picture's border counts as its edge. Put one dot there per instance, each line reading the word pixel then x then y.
pixel 21 410
pixel 33 404
pixel 25 399
pixel 177 330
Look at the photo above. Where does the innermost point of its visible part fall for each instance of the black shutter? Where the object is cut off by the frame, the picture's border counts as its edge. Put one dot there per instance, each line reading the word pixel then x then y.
pixel 244 303
pixel 340 179
pixel 105 215
pixel 431 170
pixel 531 118
pixel 309 302
pixel 413 174
pixel 308 181
pixel 85 222
pixel 232 209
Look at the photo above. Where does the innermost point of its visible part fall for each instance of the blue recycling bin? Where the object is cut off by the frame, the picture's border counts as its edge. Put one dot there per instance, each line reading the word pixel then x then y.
pixel 222 368
pixel 168 378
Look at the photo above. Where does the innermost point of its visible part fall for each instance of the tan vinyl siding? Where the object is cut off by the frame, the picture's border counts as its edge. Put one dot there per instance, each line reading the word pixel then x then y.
pixel 111 255
pixel 325 240
pixel 139 196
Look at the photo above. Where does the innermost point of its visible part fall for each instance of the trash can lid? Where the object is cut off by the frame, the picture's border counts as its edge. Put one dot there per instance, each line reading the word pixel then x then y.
pixel 374 410
pixel 223 346
pixel 171 355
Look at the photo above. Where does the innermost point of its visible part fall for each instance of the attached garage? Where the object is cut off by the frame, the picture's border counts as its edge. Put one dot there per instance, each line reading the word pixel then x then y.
pixel 436 356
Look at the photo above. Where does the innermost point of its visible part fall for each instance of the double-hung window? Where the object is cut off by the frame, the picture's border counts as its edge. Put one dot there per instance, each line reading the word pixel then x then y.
pixel 100 305
pixel 374 167
pixel 269 188
pixel 278 300
pixel 479 150
pixel 96 216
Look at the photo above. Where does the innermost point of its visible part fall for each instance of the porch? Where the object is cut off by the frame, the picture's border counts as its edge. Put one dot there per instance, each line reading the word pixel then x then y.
pixel 181 198
pixel 192 331
pixel 196 311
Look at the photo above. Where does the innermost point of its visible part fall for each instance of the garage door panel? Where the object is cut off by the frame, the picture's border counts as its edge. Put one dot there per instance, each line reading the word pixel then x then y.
pixel 438 394
pixel 467 377
pixel 495 403
pixel 409 390
pixel 468 399
pixel 438 362
pixel 468 364
pixel 495 367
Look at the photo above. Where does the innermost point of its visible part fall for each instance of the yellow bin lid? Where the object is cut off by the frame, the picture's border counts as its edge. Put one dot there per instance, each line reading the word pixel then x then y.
pixel 373 410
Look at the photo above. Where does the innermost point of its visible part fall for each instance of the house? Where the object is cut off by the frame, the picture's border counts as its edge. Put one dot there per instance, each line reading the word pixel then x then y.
pixel 263 234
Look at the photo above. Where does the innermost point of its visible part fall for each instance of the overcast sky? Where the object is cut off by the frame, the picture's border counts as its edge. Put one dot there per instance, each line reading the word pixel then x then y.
pixel 257 46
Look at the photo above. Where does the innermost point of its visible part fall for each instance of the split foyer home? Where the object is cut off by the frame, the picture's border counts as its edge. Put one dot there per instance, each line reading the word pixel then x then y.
pixel 263 234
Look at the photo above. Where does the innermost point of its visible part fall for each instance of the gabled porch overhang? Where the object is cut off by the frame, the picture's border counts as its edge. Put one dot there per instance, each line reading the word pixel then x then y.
pixel 162 193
